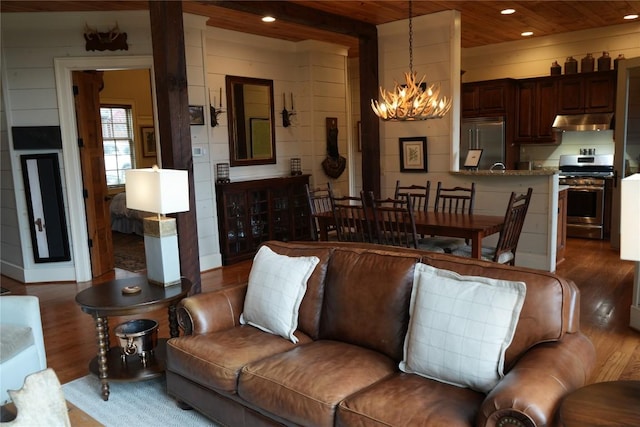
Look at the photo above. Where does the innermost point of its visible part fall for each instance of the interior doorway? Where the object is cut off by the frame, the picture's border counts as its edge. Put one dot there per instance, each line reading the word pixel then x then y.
pixel 64 68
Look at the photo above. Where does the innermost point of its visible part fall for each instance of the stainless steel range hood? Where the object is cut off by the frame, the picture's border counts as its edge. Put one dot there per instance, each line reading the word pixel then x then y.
pixel 583 122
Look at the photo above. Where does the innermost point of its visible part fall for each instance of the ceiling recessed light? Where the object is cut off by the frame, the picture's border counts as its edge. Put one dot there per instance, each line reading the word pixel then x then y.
pixel 268 19
pixel 527 34
pixel 507 11
pixel 632 16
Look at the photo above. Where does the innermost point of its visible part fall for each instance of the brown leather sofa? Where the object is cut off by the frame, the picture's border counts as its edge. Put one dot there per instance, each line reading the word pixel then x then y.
pixel 344 369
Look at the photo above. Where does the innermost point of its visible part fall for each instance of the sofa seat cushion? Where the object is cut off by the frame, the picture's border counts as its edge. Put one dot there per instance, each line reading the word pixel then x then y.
pixel 305 385
pixel 415 400
pixel 214 360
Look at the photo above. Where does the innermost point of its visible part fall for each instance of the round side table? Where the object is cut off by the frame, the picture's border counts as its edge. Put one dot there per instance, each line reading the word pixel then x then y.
pixel 108 299
pixel 613 403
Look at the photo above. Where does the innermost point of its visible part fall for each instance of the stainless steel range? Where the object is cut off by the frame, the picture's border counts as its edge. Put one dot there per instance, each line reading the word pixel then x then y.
pixel 586 176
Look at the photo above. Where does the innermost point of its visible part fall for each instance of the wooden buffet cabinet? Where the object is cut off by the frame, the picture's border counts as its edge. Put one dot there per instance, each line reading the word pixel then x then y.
pixel 251 212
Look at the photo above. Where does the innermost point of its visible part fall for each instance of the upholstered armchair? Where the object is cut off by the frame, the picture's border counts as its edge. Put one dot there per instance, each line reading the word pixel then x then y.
pixel 21 342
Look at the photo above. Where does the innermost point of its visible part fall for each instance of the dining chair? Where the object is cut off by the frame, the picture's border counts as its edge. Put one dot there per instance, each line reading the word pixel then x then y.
pixel 419 195
pixel 350 218
pixel 505 250
pixel 319 200
pixel 393 221
pixel 455 199
pixel 452 200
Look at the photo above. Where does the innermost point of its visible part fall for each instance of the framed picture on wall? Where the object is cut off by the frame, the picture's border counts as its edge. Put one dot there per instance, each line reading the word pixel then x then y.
pixel 148 135
pixel 413 154
pixel 196 115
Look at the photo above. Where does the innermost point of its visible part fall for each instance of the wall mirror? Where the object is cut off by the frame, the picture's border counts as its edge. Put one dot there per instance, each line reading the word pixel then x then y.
pixel 252 133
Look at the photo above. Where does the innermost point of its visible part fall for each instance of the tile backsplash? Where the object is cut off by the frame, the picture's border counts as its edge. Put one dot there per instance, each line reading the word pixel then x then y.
pixel 548 156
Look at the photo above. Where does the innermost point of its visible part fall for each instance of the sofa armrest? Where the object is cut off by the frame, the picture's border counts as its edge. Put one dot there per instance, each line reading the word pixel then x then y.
pixel 530 393
pixel 212 311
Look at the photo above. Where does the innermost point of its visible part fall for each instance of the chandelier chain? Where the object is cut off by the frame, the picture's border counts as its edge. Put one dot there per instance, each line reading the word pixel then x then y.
pixel 410 38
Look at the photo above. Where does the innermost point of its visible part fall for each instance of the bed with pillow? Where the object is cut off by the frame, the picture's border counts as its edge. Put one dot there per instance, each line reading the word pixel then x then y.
pixel 126 220
pixel 340 334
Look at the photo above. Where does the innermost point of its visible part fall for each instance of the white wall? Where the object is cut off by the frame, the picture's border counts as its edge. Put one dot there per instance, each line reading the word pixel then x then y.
pixel 436 53
pixel 34 46
pixel 40 49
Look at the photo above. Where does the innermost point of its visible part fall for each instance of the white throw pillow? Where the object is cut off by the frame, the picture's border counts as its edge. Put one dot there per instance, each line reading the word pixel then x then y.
pixel 277 284
pixel 460 327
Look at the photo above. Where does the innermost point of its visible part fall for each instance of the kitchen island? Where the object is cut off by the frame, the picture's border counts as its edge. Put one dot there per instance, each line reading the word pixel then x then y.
pixel 537 247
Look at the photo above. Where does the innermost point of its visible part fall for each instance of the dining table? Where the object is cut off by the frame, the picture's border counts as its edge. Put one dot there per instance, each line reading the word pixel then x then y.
pixel 473 227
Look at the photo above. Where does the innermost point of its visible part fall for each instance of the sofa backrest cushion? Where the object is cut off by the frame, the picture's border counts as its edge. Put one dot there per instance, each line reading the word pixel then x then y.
pixel 366 301
pixel 311 306
pixel 546 312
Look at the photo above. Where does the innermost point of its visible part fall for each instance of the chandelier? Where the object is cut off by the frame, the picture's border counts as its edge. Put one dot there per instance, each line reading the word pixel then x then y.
pixel 414 100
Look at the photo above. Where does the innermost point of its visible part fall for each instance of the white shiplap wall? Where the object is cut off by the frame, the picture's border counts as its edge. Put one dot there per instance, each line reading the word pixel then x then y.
pixel 32 43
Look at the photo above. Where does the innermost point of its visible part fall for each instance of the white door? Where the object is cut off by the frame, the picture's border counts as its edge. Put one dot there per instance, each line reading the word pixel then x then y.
pixel 627 135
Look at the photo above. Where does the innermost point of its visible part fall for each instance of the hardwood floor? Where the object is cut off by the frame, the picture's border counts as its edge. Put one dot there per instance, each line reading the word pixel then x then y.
pixel 604 280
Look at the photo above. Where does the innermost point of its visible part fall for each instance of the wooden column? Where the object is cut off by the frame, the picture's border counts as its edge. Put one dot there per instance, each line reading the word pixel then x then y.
pixel 368 61
pixel 167 35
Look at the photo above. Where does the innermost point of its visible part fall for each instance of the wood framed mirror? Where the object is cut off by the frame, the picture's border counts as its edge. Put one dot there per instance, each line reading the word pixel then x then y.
pixel 252 136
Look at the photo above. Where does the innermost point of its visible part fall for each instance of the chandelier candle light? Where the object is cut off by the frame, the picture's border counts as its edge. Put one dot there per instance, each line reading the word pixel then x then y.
pixel 414 100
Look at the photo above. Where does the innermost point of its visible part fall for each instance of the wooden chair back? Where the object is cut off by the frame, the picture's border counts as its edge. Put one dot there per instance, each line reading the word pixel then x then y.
pixel 319 200
pixel 419 195
pixel 455 199
pixel 513 223
pixel 393 221
pixel 351 220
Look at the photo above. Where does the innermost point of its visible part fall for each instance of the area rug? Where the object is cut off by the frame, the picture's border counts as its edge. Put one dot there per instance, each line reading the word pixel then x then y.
pixel 140 403
pixel 128 252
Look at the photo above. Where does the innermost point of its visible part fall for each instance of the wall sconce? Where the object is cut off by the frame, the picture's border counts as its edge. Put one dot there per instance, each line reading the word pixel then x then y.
pixel 287 114
pixel 213 111
pixel 160 191
pixel 296 166
pixel 222 173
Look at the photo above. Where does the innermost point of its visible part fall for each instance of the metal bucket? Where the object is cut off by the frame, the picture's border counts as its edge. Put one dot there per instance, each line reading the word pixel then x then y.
pixel 139 337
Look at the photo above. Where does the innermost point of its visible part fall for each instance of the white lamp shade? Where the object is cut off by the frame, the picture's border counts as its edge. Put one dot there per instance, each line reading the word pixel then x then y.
pixel 159 191
pixel 630 218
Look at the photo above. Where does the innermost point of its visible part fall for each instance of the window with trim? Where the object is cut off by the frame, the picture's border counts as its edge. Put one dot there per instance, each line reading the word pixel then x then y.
pixel 117 142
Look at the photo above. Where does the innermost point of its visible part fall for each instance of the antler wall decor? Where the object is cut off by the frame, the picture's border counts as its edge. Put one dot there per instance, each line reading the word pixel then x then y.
pixel 113 39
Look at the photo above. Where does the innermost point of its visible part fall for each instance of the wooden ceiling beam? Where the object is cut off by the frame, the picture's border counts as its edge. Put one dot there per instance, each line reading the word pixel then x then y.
pixel 295 13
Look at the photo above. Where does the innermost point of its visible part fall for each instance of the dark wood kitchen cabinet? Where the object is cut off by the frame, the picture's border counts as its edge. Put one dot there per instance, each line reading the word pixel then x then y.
pixel 251 212
pixel 587 93
pixel 535 111
pixel 487 98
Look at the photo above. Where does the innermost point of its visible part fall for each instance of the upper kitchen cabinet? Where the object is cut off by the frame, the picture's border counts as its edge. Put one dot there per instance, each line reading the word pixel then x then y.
pixel 535 110
pixel 587 93
pixel 487 98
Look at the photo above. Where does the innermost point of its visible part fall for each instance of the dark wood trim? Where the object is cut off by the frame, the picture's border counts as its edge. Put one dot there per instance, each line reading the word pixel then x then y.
pixel 167 35
pixel 368 64
pixel 297 14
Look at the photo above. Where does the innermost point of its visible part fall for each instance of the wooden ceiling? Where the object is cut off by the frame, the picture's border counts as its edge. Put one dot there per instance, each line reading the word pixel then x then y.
pixel 482 23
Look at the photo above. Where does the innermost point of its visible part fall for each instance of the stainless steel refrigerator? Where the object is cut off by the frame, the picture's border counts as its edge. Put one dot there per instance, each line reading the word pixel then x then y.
pixel 485 133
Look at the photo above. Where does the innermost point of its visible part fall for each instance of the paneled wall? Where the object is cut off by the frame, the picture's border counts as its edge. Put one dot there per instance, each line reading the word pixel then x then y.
pixel 436 44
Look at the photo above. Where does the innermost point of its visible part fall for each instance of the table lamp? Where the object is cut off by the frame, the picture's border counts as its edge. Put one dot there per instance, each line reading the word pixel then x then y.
pixel 630 237
pixel 159 191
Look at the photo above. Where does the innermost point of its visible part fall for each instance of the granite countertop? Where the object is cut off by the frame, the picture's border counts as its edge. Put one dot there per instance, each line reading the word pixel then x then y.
pixel 510 172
